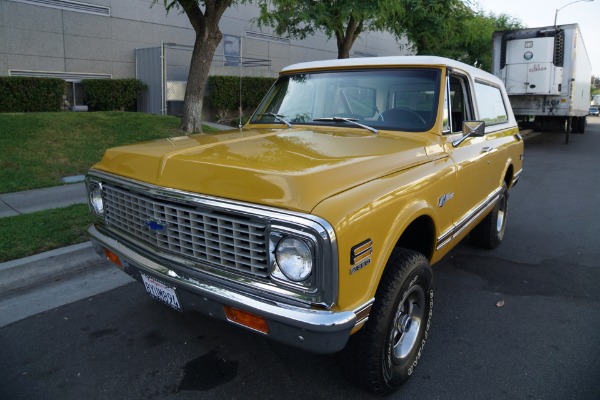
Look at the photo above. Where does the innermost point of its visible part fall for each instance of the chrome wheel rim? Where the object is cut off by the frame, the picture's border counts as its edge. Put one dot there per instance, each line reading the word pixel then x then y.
pixel 407 322
pixel 501 215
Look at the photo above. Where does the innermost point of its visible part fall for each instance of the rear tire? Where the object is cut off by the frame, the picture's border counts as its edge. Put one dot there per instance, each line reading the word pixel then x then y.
pixel 489 233
pixel 382 355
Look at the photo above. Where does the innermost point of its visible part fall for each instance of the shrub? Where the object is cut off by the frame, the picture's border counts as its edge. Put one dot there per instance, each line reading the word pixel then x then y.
pixel 224 91
pixel 26 94
pixel 112 94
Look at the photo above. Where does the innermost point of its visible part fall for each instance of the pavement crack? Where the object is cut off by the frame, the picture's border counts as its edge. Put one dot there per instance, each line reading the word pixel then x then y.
pixel 10 207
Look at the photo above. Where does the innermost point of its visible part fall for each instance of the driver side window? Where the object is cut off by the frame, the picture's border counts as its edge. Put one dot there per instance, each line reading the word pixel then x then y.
pixel 461 108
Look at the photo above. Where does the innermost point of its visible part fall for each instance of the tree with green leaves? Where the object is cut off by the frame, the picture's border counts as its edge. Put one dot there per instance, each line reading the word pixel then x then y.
pixel 470 40
pixel 345 20
pixel 422 21
pixel 448 28
pixel 204 16
pixel 430 25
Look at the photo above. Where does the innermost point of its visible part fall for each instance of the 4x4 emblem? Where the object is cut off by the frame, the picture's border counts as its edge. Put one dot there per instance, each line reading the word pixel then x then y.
pixel 360 255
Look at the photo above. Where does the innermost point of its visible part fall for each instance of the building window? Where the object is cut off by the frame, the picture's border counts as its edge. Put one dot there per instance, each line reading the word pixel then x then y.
pixel 74 95
pixel 231 50
pixel 266 36
pixel 363 54
pixel 70 6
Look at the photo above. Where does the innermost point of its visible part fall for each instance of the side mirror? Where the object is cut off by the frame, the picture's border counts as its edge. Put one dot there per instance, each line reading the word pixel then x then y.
pixel 470 129
pixel 473 128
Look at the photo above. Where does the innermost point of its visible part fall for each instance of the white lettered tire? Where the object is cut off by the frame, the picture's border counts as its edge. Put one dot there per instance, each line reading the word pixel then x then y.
pixel 383 354
pixel 488 234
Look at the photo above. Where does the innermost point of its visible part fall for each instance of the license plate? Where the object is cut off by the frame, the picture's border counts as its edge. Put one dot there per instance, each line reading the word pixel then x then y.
pixel 161 292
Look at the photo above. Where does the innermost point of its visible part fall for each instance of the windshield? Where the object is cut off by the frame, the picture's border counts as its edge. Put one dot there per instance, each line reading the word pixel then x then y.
pixel 397 99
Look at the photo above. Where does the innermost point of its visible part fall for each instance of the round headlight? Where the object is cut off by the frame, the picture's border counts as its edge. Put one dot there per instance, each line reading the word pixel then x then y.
pixel 294 259
pixel 96 200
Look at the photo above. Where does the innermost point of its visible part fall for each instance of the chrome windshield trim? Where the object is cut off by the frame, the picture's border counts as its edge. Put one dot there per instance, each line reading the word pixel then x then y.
pixel 327 274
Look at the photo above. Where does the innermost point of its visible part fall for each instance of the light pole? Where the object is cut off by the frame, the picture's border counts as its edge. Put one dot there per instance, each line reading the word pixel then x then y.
pixel 568 4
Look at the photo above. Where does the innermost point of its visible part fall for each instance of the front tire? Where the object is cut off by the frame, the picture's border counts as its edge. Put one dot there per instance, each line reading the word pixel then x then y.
pixel 489 233
pixel 384 353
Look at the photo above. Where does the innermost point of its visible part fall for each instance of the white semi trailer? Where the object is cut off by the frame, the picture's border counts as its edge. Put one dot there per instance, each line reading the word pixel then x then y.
pixel 547 74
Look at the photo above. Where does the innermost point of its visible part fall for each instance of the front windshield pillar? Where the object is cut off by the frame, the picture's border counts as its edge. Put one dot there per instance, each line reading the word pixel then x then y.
pixel 447 121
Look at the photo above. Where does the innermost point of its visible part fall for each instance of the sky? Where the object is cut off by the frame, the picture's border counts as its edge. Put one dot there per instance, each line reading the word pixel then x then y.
pixel 538 13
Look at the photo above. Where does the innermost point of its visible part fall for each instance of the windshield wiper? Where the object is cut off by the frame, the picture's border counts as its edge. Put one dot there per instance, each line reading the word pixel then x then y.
pixel 350 120
pixel 277 117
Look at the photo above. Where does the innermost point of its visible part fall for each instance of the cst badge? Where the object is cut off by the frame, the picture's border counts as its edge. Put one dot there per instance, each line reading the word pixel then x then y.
pixel 360 255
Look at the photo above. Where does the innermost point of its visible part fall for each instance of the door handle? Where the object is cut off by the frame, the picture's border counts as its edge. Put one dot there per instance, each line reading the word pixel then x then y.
pixel 487 149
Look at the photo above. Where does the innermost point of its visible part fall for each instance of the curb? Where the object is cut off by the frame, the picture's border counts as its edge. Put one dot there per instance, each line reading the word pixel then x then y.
pixel 26 272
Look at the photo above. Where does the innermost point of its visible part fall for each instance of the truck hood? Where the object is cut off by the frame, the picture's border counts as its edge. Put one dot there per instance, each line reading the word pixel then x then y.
pixel 293 168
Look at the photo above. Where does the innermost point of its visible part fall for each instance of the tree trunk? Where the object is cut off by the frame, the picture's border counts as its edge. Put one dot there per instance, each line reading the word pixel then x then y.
pixel 208 37
pixel 204 49
pixel 346 39
pixel 344 47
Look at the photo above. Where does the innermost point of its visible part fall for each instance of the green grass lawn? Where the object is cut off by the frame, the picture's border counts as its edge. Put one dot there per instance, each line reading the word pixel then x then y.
pixel 28 234
pixel 38 149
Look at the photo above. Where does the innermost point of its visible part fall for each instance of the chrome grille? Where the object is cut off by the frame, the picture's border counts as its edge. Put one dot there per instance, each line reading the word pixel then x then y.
pixel 217 238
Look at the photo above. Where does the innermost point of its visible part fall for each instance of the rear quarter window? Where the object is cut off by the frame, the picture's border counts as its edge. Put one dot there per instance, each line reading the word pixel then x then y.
pixel 490 103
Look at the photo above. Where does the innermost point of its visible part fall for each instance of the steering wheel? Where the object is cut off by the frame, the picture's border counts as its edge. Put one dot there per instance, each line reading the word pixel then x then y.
pixel 400 113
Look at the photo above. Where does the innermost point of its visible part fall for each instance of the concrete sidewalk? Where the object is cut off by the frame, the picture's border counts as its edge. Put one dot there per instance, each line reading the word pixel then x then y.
pixel 41 199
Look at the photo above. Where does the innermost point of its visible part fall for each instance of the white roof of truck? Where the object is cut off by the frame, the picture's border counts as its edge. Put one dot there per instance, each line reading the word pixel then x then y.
pixel 393 61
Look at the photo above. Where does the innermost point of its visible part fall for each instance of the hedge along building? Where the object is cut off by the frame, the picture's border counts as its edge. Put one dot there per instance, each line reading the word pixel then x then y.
pixel 104 39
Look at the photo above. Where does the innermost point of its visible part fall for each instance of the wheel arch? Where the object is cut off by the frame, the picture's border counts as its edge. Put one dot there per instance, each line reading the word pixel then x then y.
pixel 417 233
pixel 509 175
pixel 419 236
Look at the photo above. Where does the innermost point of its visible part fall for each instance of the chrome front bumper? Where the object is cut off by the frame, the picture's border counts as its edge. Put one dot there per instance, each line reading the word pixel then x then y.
pixel 319 331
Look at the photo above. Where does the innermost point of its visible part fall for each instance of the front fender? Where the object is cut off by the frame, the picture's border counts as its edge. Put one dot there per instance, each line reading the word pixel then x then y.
pixel 373 216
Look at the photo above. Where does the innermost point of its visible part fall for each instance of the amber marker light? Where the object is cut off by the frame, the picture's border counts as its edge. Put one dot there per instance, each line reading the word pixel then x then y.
pixel 112 257
pixel 246 319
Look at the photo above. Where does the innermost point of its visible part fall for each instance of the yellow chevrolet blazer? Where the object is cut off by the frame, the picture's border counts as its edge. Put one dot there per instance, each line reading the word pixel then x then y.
pixel 316 223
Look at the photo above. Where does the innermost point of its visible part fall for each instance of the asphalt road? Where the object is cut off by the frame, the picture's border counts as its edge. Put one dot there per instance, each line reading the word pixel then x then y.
pixel 519 322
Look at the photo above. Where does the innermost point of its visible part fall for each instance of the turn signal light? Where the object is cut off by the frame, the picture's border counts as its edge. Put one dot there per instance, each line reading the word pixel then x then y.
pixel 112 257
pixel 246 319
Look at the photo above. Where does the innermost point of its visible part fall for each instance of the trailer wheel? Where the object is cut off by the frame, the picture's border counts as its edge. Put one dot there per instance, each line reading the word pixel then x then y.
pixel 581 125
pixel 575 125
pixel 383 354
